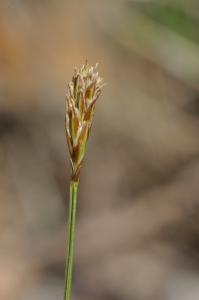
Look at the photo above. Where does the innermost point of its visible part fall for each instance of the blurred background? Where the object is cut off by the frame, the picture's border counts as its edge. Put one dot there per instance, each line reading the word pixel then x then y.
pixel 137 231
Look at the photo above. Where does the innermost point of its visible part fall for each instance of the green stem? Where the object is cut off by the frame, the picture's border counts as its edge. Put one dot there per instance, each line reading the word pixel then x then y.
pixel 70 241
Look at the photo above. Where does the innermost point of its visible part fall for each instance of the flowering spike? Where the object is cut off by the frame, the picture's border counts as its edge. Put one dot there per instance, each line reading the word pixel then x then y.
pixel 82 95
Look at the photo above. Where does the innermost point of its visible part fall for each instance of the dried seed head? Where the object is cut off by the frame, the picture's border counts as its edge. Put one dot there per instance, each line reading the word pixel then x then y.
pixel 83 92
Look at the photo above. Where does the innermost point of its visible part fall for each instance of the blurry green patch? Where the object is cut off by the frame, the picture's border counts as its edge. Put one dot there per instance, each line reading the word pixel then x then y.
pixel 175 18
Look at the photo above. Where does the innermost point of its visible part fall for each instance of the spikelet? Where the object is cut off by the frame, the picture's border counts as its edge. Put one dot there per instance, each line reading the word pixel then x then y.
pixel 83 92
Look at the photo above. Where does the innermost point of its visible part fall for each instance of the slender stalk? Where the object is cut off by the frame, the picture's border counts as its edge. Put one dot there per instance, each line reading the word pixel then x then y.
pixel 70 241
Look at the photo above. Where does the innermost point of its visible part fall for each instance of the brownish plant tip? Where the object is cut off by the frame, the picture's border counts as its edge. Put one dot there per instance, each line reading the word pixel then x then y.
pixel 83 92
